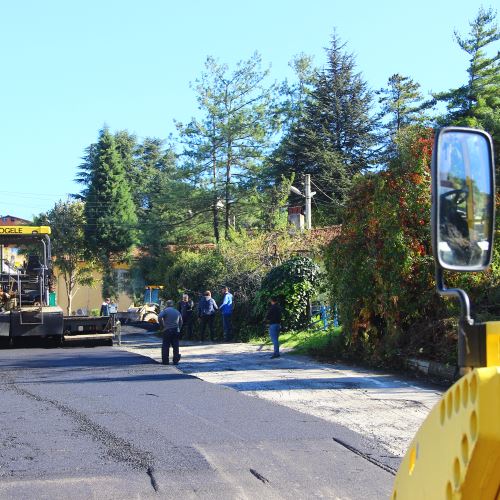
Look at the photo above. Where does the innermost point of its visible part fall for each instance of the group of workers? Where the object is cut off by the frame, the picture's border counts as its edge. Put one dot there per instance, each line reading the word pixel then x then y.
pixel 175 320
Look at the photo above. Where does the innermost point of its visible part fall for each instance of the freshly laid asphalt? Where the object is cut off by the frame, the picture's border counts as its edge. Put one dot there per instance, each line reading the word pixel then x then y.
pixel 106 423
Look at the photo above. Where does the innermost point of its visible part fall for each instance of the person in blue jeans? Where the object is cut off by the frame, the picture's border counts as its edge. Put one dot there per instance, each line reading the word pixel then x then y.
pixel 273 317
pixel 226 308
pixel 206 312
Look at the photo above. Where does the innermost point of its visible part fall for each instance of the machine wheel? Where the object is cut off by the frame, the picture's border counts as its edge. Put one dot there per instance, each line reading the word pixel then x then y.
pixel 151 318
pixel 4 342
pixel 56 341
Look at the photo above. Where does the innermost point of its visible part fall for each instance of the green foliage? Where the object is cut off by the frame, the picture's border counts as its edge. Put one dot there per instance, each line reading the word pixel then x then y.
pixel 67 223
pixel 381 269
pixel 477 102
pixel 196 272
pixel 225 148
pixel 401 105
pixel 334 134
pixel 294 282
pixel 110 217
pixel 312 341
pixel 109 211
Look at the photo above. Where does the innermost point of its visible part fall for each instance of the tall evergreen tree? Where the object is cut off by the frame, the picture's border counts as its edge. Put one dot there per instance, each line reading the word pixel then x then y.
pixel 336 137
pixel 477 102
pixel 110 215
pixel 285 160
pixel 401 105
pixel 227 145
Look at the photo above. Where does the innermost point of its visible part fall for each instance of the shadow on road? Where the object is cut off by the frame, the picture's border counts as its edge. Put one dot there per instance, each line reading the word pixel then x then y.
pixel 77 358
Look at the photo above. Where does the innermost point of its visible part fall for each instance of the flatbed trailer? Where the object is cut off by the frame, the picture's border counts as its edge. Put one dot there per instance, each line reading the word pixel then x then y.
pixel 79 328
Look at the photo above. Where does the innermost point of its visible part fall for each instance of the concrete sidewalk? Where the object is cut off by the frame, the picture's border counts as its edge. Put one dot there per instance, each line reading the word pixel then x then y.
pixel 385 408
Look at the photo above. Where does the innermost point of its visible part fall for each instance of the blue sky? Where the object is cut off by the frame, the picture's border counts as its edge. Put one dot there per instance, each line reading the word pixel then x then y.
pixel 71 66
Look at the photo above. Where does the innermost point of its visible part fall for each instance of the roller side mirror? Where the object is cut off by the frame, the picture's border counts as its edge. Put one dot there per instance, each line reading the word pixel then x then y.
pixel 463 199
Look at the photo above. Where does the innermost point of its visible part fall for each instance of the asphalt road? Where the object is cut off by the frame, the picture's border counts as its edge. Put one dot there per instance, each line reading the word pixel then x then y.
pixel 386 408
pixel 106 423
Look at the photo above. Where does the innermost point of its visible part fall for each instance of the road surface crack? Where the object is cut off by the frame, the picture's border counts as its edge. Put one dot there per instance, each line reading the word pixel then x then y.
pixel 154 484
pixel 260 477
pixel 118 448
pixel 367 457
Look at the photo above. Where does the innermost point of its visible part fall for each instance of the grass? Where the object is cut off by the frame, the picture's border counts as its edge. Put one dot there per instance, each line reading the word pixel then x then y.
pixel 312 341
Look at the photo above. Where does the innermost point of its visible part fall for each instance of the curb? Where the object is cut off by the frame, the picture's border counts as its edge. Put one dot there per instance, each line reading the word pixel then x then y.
pixel 432 369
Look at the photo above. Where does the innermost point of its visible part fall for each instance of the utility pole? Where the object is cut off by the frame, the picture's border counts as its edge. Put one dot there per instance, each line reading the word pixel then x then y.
pixel 308 197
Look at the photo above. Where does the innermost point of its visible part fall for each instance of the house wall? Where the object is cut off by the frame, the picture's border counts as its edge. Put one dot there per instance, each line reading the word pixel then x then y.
pixel 86 298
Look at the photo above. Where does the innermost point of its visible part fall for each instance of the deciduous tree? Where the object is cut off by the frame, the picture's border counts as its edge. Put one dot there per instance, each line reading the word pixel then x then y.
pixel 67 223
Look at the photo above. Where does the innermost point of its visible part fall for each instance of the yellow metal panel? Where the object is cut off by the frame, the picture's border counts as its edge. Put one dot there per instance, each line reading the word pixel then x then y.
pixel 121 265
pixel 24 230
pixel 456 452
pixel 493 344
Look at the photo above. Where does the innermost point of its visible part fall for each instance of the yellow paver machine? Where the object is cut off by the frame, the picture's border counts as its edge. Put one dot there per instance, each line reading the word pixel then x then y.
pixel 27 308
pixel 456 452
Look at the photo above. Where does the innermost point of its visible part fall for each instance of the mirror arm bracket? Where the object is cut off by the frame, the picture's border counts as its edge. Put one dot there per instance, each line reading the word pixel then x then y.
pixel 456 292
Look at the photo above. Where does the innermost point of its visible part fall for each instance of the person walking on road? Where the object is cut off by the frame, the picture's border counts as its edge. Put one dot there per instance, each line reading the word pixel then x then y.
pixel 186 308
pixel 171 319
pixel 226 308
pixel 206 312
pixel 273 317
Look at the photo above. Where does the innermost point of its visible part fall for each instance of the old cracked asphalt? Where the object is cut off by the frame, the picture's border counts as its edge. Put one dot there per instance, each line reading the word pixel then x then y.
pixel 107 423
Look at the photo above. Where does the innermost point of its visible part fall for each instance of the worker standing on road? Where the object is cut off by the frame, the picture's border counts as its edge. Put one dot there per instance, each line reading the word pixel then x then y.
pixel 186 308
pixel 226 308
pixel 171 319
pixel 206 312
pixel 273 317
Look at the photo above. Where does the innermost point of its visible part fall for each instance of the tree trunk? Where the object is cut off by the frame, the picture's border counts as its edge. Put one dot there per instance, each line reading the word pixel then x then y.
pixel 214 208
pixel 69 295
pixel 227 221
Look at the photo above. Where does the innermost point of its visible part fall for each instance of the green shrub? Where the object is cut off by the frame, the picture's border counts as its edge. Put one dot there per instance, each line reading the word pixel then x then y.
pixel 294 283
pixel 381 269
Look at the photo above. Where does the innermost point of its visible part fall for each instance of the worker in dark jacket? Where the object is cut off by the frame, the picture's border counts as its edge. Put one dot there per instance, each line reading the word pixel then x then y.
pixel 172 322
pixel 186 308
pixel 273 317
pixel 206 312
pixel 105 308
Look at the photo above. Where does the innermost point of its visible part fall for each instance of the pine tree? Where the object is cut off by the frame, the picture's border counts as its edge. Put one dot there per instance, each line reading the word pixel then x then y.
pixel 477 102
pixel 401 105
pixel 335 139
pixel 227 145
pixel 110 215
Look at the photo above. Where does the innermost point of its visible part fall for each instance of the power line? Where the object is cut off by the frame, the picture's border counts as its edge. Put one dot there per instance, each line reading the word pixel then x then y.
pixel 321 191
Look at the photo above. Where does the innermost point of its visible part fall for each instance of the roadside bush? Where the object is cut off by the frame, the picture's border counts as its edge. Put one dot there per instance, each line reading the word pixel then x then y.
pixel 241 263
pixel 294 282
pixel 381 270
